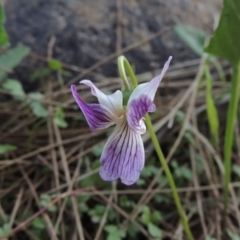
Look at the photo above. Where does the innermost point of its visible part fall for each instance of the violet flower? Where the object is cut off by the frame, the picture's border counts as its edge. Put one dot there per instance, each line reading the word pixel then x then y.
pixel 123 154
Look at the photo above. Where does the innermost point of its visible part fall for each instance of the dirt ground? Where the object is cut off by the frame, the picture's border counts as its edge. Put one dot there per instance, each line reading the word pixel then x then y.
pixel 87 31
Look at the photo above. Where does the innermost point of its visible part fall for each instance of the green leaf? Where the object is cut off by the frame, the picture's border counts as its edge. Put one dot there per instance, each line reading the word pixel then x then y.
pixel 37 107
pixel 210 238
pixel 154 231
pixel 4 148
pixel 236 169
pixel 97 151
pixel 39 223
pixel 45 199
pixel 149 171
pixel 66 73
pixel 55 65
pixel 6 228
pixel 146 215
pixel 40 73
pixel 110 228
pixel 4 41
pixel 156 217
pixel 132 231
pixel 232 235
pixel 192 37
pixel 225 41
pixel 211 108
pixel 15 87
pixel 59 118
pixel 183 172
pixel 114 232
pixel 159 198
pixel 140 182
pixel 12 58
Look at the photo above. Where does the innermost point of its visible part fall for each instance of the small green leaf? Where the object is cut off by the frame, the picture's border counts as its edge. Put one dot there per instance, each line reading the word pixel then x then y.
pixel 39 223
pixel 15 87
pixel 4 41
pixel 156 217
pixel 114 232
pixel 225 40
pixel 149 171
pixel 140 182
pixel 55 65
pixel 4 148
pixel 132 231
pixel 210 238
pixel 236 169
pixel 183 172
pixel 37 107
pixel 12 58
pixel 83 207
pixel 192 37
pixel 154 231
pixel 6 228
pixel 110 228
pixel 159 198
pixel 59 118
pixel 45 199
pixel 146 215
pixel 97 151
pixel 40 73
pixel 232 235
pixel 66 73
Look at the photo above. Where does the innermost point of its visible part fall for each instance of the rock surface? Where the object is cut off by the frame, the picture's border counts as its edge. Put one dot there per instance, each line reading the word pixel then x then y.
pixel 85 30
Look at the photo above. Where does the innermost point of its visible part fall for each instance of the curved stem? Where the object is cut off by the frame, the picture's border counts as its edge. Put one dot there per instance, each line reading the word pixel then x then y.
pixel 123 62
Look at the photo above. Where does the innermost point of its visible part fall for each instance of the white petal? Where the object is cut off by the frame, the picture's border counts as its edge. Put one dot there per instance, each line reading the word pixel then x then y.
pixel 114 102
pixel 123 155
pixel 149 88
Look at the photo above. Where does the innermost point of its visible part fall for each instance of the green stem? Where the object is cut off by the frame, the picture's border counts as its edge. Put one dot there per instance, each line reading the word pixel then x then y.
pixel 122 61
pixel 228 142
pixel 122 64
pixel 184 219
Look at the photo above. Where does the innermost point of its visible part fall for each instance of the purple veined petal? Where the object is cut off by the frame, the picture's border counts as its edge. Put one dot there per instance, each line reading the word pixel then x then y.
pixel 123 155
pixel 136 110
pixel 149 88
pixel 97 115
pixel 114 101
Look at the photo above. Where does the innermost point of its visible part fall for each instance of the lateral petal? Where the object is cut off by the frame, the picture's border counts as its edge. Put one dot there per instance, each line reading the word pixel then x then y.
pixel 136 110
pixel 114 101
pixel 123 155
pixel 97 115
pixel 149 88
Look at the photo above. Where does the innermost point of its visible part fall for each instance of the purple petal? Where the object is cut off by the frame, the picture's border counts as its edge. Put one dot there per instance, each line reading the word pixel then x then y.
pixel 136 110
pixel 97 115
pixel 114 102
pixel 123 155
pixel 149 88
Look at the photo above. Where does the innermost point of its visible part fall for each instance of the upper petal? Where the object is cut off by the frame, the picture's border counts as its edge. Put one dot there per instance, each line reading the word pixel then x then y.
pixel 114 101
pixel 97 115
pixel 136 110
pixel 149 88
pixel 123 155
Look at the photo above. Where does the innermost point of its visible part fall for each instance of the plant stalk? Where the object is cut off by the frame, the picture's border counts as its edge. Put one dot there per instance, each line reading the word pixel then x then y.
pixel 229 134
pixel 123 62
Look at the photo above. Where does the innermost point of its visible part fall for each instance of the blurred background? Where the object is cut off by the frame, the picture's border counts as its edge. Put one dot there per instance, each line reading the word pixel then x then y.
pixel 49 182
